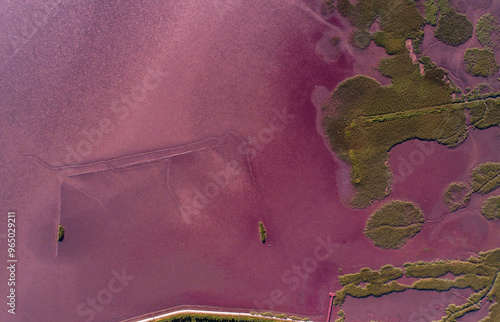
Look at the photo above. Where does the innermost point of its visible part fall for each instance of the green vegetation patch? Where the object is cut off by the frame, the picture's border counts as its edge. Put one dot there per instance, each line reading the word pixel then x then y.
pixel 394 224
pixel 491 115
pixel 399 20
pixel 431 12
pixel 480 92
pixel 370 290
pixel 361 38
pixel 476 283
pixel 477 110
pixel 433 284
pixel 484 113
pixel 60 234
pixel 362 14
pixel 491 208
pixel 440 268
pixel 480 62
pixel 364 120
pixel 457 195
pixel 494 295
pixel 453 29
pixel 427 62
pixel 393 45
pixel 386 273
pixel 481 274
pixel 486 27
pixel 417 42
pixel 444 6
pixel 485 177
pixel 341 316
pixel 262 232
pixel 380 37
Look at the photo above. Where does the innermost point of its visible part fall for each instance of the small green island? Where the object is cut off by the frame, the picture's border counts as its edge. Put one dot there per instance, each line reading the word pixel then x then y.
pixel 486 26
pixel 60 233
pixel 262 232
pixel 491 208
pixel 457 196
pixel 485 178
pixel 453 28
pixel 392 225
pixel 480 62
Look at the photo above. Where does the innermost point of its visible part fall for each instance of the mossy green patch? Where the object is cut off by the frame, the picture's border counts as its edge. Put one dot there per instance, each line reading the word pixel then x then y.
pixel 361 38
pixel 427 62
pixel 417 42
pixel 480 62
pixel 484 113
pixel 399 20
pixel 457 195
pixel 385 274
pixel 393 45
pixel 481 274
pixel 453 29
pixel 362 14
pixel 444 6
pixel 491 208
pixel 440 268
pixel 485 177
pixel 431 12
pixel 370 290
pixel 486 26
pixel 365 120
pixel 394 224
pixel 341 316
pixel 262 232
pixel 60 233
